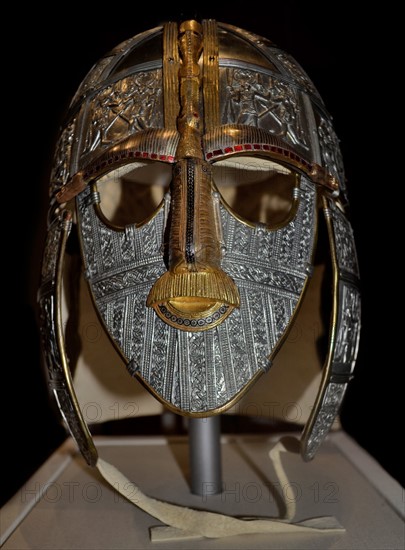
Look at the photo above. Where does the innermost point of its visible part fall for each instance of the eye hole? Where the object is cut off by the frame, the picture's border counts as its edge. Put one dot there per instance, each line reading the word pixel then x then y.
pixel 131 194
pixel 257 190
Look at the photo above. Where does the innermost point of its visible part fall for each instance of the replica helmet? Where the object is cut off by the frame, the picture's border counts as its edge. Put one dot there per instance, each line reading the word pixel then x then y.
pixel 195 161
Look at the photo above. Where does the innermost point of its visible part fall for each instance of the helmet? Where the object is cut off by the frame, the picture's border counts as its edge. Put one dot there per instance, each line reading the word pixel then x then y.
pixel 195 162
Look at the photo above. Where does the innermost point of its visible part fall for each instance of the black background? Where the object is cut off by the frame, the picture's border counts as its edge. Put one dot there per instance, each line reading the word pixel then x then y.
pixel 341 53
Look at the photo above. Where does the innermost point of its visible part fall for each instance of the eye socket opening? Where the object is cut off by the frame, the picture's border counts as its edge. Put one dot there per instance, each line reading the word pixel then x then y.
pixel 132 194
pixel 257 190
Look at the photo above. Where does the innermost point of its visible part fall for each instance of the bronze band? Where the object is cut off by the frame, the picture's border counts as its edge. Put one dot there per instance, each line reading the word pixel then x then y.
pixel 171 66
pixel 211 75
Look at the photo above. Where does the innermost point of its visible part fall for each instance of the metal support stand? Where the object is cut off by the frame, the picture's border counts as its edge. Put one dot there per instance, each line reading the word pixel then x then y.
pixel 205 455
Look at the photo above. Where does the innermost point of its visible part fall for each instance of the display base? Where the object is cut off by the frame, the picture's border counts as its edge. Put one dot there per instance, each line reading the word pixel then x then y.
pixel 67 505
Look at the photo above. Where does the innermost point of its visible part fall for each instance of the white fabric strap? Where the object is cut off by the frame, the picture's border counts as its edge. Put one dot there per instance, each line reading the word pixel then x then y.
pixel 186 523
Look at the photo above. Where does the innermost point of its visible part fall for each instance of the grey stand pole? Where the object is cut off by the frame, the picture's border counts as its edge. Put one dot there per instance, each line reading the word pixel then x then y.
pixel 205 455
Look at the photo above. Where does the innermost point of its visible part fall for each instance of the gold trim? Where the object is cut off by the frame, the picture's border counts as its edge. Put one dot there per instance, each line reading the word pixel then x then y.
pixel 154 145
pixel 171 66
pixel 211 75
pixel 316 173
pixel 92 455
pixel 231 140
pixel 326 372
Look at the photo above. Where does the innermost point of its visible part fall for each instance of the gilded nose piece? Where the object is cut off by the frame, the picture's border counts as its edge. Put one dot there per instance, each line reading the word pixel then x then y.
pixel 195 293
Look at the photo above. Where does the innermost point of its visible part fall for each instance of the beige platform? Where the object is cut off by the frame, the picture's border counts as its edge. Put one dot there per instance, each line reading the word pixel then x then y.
pixel 67 505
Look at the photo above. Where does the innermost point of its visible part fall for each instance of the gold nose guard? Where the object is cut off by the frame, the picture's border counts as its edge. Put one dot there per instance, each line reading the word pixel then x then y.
pixel 195 293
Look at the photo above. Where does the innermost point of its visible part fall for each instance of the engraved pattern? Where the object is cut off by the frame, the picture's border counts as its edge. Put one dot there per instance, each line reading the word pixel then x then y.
pixel 286 243
pixel 238 348
pixel 175 395
pixel 127 280
pixel 220 386
pixel 348 332
pixel 107 247
pixel 61 163
pixel 159 355
pixel 296 72
pixel 240 345
pixel 303 258
pixel 330 152
pixel 137 310
pixel 260 338
pixel 263 101
pixel 127 248
pixel 281 315
pixel 117 325
pixel 330 407
pixel 344 241
pixel 124 108
pixel 89 236
pixel 50 252
pixel 197 366
pixel 266 242
pixel 150 238
pixel 260 273
pixel 241 239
